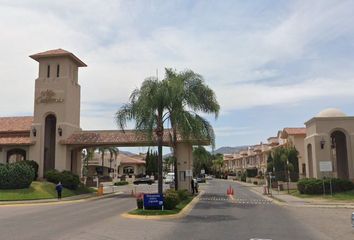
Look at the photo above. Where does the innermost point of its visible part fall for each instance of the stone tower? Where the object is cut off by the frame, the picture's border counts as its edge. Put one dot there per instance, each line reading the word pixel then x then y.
pixel 56 109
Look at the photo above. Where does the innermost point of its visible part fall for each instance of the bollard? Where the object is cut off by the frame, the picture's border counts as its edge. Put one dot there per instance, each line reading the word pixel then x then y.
pixel 353 219
pixel 100 190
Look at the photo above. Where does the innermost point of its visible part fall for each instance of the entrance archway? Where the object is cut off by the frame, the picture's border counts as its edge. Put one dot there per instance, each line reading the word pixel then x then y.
pixel 310 161
pixel 340 154
pixel 15 155
pixel 49 142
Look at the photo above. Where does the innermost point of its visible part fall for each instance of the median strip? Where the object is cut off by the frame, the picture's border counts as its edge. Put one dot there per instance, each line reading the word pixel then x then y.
pixel 183 211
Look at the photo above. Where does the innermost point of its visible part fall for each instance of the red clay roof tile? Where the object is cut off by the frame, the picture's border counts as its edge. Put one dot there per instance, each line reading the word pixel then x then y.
pixel 15 124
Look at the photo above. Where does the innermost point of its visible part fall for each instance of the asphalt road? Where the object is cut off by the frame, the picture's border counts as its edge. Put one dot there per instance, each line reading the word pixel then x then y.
pixel 215 216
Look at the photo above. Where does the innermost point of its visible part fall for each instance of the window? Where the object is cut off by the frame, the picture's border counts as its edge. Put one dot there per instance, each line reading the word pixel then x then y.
pixel 48 71
pixel 58 70
pixel 304 168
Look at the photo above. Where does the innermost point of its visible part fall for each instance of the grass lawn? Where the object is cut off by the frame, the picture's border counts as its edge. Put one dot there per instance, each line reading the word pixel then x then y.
pixel 38 190
pixel 178 208
pixel 342 196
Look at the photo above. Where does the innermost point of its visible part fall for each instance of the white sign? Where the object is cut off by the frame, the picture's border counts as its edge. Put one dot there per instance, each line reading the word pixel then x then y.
pixel 189 173
pixel 202 171
pixel 326 166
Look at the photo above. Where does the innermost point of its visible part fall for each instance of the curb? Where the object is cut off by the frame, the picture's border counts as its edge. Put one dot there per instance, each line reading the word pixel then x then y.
pixel 281 202
pixel 45 202
pixel 183 213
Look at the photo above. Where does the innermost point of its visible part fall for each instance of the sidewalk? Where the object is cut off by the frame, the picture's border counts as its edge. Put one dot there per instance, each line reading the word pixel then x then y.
pixel 284 198
pixel 87 196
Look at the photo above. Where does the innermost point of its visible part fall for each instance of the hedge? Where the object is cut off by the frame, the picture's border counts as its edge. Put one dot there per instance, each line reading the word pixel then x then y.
pixel 34 165
pixel 315 186
pixel 171 199
pixel 16 176
pixel 121 183
pixel 68 179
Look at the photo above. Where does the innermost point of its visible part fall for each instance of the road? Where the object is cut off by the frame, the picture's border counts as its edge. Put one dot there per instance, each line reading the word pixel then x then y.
pixel 215 216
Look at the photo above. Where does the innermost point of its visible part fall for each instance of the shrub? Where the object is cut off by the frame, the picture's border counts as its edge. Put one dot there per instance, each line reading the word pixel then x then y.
pixel 52 176
pixel 140 200
pixel 315 186
pixel 70 180
pixel 121 183
pixel 32 164
pixel 243 177
pixel 16 176
pixel 67 178
pixel 171 199
pixel 183 194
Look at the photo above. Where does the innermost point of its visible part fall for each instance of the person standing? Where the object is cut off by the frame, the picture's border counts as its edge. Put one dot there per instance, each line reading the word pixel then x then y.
pixel 59 189
pixel 192 185
pixel 196 186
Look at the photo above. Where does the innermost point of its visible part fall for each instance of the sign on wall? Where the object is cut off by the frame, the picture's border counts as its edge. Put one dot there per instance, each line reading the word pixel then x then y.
pixel 189 173
pixel 326 166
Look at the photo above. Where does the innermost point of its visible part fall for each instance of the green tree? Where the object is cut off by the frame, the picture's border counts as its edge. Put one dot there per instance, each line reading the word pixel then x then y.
pixel 189 96
pixel 218 164
pixel 87 155
pixel 169 161
pixel 285 161
pixel 147 106
pixel 113 151
pixel 151 163
pixel 201 160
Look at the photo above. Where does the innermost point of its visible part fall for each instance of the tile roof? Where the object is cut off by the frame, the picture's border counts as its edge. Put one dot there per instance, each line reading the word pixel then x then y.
pixel 15 141
pixel 15 124
pixel 117 137
pixel 125 159
pixel 295 131
pixel 58 53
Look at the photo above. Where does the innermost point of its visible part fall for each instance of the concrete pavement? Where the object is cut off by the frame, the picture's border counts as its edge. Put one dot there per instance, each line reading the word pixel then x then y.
pixel 289 200
pixel 215 216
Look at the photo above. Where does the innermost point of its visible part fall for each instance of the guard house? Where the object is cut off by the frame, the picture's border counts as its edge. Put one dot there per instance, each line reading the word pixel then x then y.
pixel 53 136
pixel 330 138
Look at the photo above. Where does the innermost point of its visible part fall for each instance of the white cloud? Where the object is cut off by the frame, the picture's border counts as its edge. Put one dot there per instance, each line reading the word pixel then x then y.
pixel 111 38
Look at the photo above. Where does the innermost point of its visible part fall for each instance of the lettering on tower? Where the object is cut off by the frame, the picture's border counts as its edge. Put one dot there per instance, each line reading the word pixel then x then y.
pixel 48 96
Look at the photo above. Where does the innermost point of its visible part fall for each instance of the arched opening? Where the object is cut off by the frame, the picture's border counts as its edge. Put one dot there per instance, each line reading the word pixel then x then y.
pixel 128 170
pixel 310 161
pixel 340 154
pixel 49 142
pixel 15 155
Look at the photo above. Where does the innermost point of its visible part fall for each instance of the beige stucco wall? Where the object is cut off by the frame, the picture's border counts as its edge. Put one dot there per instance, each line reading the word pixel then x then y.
pixel 67 113
pixel 184 154
pixel 321 129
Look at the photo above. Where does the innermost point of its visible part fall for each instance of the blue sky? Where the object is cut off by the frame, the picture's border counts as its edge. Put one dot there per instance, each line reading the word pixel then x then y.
pixel 272 64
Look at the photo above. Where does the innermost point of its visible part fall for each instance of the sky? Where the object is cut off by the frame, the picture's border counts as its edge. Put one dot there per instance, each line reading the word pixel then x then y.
pixel 272 64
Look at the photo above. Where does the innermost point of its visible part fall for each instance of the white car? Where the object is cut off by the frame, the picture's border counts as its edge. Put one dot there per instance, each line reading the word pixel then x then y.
pixel 208 177
pixel 169 179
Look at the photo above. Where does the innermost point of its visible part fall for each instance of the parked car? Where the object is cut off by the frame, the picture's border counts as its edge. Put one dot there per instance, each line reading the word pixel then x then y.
pixel 208 177
pixel 201 180
pixel 144 180
pixel 169 178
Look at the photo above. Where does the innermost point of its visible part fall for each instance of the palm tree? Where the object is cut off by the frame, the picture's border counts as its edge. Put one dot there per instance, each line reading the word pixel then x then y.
pixel 87 155
pixel 113 151
pixel 188 96
pixel 147 106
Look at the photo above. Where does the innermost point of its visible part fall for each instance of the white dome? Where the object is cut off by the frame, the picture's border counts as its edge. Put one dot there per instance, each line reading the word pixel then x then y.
pixel 331 112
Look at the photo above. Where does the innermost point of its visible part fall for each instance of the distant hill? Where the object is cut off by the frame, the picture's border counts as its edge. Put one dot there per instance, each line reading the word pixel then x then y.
pixel 127 153
pixel 230 150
